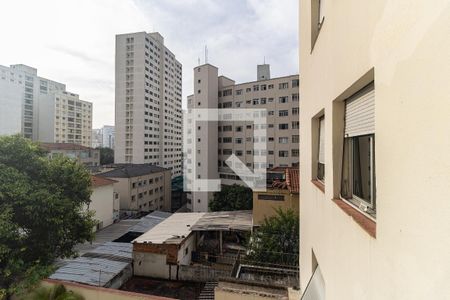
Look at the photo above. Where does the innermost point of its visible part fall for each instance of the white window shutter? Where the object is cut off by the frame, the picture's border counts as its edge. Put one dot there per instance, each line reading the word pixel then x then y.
pixel 360 113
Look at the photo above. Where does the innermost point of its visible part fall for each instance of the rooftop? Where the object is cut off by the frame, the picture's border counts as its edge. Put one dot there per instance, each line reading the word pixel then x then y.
pixel 291 181
pixel 149 221
pixel 63 146
pixel 101 181
pixel 240 220
pixel 132 170
pixel 172 230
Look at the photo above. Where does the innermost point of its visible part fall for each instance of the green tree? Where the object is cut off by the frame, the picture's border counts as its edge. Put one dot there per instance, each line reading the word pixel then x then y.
pixel 277 240
pixel 106 155
pixel 232 197
pixel 42 210
pixel 57 292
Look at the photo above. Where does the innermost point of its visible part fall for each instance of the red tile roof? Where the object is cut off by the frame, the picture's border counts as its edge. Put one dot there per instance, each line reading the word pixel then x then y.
pixel 293 180
pixel 101 181
pixel 64 146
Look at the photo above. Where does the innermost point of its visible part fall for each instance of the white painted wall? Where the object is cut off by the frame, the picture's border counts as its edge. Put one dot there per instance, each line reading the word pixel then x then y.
pixel 102 202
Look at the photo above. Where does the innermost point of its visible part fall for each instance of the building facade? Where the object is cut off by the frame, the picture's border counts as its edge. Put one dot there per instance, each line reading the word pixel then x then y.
pixel 280 99
pixel 283 193
pixel 42 109
pixel 374 217
pixel 141 187
pixel 103 137
pixel 85 155
pixel 148 102
pixel 104 202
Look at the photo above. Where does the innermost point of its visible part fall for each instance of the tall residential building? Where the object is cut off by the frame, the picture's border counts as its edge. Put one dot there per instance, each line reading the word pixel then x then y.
pixel 216 141
pixel 375 171
pixel 42 109
pixel 148 102
pixel 103 137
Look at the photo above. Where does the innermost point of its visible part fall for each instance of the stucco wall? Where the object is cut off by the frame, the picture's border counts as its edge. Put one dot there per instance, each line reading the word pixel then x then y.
pixel 267 208
pixel 102 202
pixel 406 45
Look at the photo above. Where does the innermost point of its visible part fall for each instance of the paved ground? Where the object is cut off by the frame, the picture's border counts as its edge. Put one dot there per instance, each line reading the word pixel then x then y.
pixel 107 234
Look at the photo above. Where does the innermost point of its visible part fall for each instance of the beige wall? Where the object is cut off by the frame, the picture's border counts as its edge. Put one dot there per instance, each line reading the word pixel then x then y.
pixel 406 45
pixel 150 198
pixel 267 208
pixel 102 202
pixel 99 293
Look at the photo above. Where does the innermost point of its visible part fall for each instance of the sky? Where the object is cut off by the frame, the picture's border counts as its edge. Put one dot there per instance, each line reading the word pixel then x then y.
pixel 72 41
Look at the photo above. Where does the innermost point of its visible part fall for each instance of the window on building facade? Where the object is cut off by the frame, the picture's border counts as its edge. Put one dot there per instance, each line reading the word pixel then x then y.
pixel 358 166
pixel 283 153
pixel 283 99
pixel 283 85
pixel 283 113
pixel 283 126
pixel 321 152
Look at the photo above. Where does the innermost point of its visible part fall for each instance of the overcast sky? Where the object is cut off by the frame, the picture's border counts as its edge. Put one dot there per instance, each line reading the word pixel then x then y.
pixel 72 41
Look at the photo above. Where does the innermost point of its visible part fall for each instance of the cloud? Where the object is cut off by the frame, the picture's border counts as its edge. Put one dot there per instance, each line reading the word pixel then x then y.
pixel 72 41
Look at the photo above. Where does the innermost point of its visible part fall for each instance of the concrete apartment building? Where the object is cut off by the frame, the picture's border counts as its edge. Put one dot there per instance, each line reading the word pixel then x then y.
pixel 104 201
pixel 103 137
pixel 85 155
pixel 141 187
pixel 375 173
pixel 42 109
pixel 279 96
pixel 148 102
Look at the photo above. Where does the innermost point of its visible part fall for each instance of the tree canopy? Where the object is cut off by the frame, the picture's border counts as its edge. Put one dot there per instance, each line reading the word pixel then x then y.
pixel 106 155
pixel 42 209
pixel 232 197
pixel 277 240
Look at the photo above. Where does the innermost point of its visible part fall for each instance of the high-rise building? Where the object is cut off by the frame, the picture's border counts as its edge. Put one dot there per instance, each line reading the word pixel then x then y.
pixel 148 102
pixel 103 137
pixel 216 141
pixel 375 159
pixel 42 109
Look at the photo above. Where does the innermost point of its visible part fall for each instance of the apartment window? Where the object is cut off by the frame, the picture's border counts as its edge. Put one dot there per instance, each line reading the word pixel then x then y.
pixel 238 92
pixel 317 19
pixel 283 99
pixel 321 152
pixel 238 128
pixel 238 141
pixel 295 97
pixel 283 153
pixel 295 139
pixel 227 139
pixel 256 88
pixel 295 153
pixel 271 112
pixel 295 83
pixel 283 85
pixel 283 140
pixel 228 92
pixel 283 113
pixel 248 90
pixel 263 87
pixel 263 101
pixel 295 124
pixel 295 111
pixel 283 126
pixel 358 166
pixel 255 101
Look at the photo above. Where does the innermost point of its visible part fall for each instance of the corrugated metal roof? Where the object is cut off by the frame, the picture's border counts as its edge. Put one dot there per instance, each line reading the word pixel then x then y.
pixel 224 221
pixel 113 251
pixel 172 230
pixel 149 221
pixel 90 270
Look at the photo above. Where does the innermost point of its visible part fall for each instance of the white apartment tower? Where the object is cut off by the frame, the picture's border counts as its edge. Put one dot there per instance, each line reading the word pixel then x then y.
pixel 148 102
pixel 216 141
pixel 42 109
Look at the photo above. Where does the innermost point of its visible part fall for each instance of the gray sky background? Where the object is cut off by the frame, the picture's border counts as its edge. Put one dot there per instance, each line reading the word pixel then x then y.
pixel 72 41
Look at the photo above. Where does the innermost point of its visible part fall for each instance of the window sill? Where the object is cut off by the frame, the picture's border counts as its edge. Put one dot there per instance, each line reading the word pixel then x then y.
pixel 366 223
pixel 318 184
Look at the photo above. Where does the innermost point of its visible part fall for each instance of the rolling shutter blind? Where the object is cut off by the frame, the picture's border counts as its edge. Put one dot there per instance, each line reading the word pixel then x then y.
pixel 322 141
pixel 360 112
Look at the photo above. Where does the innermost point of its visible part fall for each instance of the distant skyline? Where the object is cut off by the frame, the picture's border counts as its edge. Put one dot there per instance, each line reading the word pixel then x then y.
pixel 73 41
